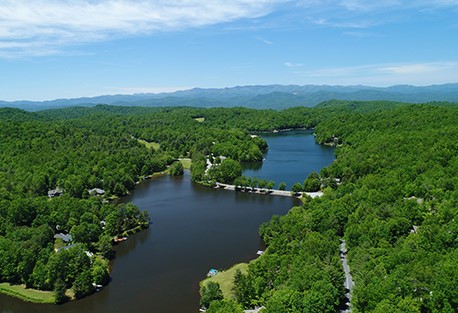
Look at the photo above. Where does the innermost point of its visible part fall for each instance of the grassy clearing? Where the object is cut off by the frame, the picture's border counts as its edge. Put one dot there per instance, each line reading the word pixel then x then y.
pixel 186 163
pixel 200 119
pixel 225 279
pixel 29 295
pixel 149 145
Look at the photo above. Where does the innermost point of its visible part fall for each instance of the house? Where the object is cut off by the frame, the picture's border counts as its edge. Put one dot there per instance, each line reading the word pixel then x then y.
pixel 96 192
pixel 64 237
pixel 55 192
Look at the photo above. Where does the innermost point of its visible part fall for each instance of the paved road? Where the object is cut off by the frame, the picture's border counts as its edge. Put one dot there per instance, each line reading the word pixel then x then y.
pixel 271 192
pixel 348 279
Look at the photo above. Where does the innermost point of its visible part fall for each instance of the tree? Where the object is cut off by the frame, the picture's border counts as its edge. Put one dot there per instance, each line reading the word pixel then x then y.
pixel 240 182
pixel 254 183
pixel 119 189
pixel 284 300
pixel 85 233
pixel 242 288
pixel 282 186
pixel 210 292
pixel 83 284
pixel 312 183
pixel 229 170
pixel 262 183
pixel 270 185
pixel 100 273
pixel 224 306
pixel 176 169
pixel 59 291
pixel 297 188
pixel 104 246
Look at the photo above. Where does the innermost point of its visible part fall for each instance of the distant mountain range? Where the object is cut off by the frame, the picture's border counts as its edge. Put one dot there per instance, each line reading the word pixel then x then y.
pixel 261 97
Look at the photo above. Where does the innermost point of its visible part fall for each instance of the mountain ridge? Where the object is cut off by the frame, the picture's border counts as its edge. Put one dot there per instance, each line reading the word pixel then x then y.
pixel 273 96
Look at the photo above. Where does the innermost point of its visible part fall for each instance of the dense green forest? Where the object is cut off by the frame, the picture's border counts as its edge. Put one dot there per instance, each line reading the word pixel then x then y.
pixel 58 168
pixel 395 204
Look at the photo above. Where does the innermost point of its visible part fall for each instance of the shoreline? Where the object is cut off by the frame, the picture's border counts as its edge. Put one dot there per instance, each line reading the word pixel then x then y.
pixel 27 294
pixel 270 192
pixel 281 130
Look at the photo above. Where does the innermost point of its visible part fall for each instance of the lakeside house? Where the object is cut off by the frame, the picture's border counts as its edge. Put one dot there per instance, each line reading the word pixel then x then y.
pixel 96 192
pixel 55 192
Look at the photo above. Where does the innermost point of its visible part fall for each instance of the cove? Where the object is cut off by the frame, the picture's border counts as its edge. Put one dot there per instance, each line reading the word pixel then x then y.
pixel 291 157
pixel 193 229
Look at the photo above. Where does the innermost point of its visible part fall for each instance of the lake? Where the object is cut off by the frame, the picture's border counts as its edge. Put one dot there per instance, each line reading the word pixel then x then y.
pixel 193 229
pixel 291 157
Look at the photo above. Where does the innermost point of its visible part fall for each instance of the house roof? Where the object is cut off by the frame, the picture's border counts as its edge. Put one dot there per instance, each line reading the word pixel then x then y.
pixel 96 191
pixel 64 237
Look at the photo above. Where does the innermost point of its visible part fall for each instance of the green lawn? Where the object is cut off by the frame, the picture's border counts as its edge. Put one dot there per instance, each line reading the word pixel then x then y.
pixel 154 145
pixel 225 279
pixel 186 163
pixel 29 295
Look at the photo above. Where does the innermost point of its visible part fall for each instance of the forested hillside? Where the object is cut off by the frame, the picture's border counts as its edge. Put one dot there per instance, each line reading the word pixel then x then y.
pixel 52 163
pixel 396 203
pixel 397 208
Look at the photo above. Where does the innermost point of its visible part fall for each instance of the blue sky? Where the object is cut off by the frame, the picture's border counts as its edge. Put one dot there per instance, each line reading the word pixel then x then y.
pixel 73 48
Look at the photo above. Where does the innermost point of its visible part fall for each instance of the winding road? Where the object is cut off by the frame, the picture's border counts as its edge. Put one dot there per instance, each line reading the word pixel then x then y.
pixel 348 279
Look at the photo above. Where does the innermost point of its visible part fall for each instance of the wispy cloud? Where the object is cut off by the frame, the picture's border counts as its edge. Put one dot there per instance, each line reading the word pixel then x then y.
pixel 267 42
pixel 368 13
pixel 368 5
pixel 387 74
pixel 290 64
pixel 43 26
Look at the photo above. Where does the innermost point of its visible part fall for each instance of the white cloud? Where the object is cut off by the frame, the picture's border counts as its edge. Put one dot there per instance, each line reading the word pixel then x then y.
pixel 26 26
pixel 290 64
pixel 386 74
pixel 267 42
pixel 36 27
pixel 368 5
pixel 359 14
pixel 415 69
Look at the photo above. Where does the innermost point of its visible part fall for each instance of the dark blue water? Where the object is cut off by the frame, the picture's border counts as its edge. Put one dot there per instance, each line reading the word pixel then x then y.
pixel 194 229
pixel 291 157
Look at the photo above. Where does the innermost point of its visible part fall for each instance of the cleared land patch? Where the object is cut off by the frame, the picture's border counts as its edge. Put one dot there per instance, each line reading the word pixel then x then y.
pixel 225 279
pixel 154 145
pixel 26 294
pixel 186 163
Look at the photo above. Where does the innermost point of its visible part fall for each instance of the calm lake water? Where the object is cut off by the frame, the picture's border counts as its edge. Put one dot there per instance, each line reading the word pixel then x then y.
pixel 291 157
pixel 194 229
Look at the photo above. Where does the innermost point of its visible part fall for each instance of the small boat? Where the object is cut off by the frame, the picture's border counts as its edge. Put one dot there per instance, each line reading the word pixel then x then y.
pixel 97 287
pixel 212 272
pixel 120 239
